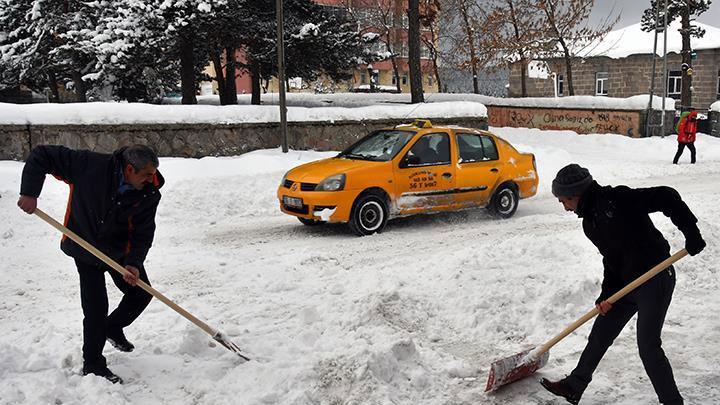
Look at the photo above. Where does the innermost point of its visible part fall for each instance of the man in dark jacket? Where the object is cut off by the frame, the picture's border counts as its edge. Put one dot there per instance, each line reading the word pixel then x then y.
pixel 616 220
pixel 113 201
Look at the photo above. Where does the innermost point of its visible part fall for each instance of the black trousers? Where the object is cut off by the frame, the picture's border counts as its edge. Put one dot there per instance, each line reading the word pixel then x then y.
pixel 681 148
pixel 96 322
pixel 650 301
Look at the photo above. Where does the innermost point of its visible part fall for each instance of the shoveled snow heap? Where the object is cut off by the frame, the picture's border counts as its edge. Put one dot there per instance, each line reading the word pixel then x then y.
pixel 414 315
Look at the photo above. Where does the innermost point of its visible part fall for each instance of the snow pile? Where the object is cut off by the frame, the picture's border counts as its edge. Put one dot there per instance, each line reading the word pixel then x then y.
pixel 715 106
pixel 633 40
pixel 638 102
pixel 138 113
pixel 414 315
pixel 303 107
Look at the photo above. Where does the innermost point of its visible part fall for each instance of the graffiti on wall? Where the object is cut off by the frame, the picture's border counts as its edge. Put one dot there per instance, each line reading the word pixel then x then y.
pixel 580 121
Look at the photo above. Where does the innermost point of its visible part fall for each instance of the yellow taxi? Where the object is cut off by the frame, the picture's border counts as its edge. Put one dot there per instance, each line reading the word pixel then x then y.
pixel 410 169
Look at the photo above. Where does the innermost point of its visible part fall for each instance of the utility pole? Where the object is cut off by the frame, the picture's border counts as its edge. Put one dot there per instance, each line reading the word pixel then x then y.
pixel 281 73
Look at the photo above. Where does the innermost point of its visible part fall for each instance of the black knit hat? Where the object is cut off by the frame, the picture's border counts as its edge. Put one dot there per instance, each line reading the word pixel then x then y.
pixel 571 181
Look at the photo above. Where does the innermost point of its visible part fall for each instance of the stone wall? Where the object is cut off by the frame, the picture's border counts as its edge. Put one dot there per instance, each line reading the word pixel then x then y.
pixel 582 121
pixel 627 77
pixel 198 140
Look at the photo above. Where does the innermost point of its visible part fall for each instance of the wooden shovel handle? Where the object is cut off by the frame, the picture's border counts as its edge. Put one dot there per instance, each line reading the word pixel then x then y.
pixel 613 298
pixel 120 269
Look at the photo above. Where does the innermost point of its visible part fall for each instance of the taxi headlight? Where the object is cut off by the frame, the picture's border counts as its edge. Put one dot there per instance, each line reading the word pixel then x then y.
pixel 332 183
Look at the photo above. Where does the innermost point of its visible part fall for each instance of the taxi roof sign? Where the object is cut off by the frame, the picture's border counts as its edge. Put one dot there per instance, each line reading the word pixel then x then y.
pixel 422 123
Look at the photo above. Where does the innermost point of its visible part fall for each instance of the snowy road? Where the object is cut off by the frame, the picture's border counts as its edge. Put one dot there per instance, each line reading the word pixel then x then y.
pixel 411 316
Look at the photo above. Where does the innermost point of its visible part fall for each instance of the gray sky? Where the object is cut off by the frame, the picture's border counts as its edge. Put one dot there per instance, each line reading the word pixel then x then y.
pixel 631 11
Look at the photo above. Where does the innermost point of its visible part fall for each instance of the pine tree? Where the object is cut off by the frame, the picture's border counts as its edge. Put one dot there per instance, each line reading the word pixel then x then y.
pixel 685 10
pixel 36 44
pixel 316 43
pixel 186 38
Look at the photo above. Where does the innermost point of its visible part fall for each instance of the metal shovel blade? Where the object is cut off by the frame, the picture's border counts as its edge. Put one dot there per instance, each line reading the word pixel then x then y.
pixel 220 338
pixel 513 368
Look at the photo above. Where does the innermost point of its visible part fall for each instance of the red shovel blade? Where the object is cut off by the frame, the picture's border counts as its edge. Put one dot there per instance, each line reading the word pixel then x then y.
pixel 513 368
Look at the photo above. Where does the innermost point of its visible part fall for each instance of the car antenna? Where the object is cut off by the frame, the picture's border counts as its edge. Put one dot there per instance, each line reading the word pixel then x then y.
pixel 412 111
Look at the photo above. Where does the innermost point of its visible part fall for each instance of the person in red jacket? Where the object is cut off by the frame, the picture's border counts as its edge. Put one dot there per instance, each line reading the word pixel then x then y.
pixel 687 128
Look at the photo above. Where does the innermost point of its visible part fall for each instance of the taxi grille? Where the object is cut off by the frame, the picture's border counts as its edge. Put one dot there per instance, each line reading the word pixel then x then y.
pixel 304 210
pixel 307 186
pixel 288 183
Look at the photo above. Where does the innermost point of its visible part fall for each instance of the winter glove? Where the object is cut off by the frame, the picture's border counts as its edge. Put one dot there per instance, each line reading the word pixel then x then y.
pixel 694 244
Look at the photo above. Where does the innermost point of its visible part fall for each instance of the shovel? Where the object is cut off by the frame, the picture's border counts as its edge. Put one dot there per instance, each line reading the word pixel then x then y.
pixel 216 334
pixel 521 365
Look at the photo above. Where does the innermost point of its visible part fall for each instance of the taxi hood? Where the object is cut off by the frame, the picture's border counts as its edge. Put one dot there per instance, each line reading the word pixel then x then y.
pixel 317 171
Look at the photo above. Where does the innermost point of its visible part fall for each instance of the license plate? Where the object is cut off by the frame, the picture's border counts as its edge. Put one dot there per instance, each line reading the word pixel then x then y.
pixel 292 202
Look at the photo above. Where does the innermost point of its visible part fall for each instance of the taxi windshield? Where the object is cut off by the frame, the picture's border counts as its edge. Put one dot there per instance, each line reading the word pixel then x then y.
pixel 379 146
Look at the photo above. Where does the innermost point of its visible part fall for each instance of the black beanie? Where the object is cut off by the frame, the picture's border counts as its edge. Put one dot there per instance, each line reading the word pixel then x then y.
pixel 571 181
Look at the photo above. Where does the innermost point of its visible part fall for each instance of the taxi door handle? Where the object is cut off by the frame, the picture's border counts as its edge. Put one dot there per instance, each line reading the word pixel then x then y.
pixel 447 175
pixel 494 169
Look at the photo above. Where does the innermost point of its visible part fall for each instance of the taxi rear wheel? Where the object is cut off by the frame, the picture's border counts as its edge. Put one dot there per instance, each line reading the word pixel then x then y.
pixel 310 222
pixel 369 214
pixel 504 202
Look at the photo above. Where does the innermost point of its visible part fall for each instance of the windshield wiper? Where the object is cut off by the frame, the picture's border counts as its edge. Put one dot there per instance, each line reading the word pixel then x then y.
pixel 356 156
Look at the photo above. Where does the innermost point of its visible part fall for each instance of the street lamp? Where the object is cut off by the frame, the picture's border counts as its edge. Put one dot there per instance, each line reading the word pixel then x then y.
pixel 370 77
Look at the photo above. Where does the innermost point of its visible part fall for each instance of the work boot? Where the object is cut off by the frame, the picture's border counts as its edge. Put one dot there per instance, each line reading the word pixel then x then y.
pixel 103 372
pixel 117 338
pixel 562 389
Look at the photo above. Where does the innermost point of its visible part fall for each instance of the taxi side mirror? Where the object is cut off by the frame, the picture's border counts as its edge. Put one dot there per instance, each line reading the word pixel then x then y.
pixel 409 160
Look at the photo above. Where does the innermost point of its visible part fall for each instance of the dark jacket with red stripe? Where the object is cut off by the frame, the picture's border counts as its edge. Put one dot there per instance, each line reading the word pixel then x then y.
pixel 120 225
pixel 617 221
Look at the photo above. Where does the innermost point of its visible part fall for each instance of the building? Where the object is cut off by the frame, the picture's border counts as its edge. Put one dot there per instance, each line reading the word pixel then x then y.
pixel 620 65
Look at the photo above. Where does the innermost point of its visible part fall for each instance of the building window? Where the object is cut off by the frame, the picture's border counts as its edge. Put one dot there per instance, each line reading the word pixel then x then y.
pixel 718 85
pixel 430 80
pixel 363 78
pixel 601 79
pixel 404 80
pixel 560 85
pixel 674 82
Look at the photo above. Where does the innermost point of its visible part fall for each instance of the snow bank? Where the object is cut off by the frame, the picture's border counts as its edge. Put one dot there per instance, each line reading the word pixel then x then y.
pixel 361 99
pixel 138 113
pixel 414 315
pixel 302 107
pixel 715 106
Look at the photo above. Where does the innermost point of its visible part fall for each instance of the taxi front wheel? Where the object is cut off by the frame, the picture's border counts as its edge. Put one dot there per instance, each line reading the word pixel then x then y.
pixel 369 214
pixel 504 202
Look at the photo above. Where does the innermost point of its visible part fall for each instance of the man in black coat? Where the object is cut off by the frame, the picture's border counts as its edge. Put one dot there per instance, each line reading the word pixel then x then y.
pixel 113 201
pixel 616 220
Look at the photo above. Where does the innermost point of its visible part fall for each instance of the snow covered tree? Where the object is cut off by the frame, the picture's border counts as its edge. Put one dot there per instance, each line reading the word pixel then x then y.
pixel 99 49
pixel 654 17
pixel 379 17
pixel 185 23
pixel 566 24
pixel 37 44
pixel 316 43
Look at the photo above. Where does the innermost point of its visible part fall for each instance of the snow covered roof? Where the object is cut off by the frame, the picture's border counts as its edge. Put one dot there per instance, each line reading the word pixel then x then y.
pixel 633 40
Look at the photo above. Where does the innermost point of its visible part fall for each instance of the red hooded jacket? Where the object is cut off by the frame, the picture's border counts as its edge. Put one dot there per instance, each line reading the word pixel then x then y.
pixel 688 128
